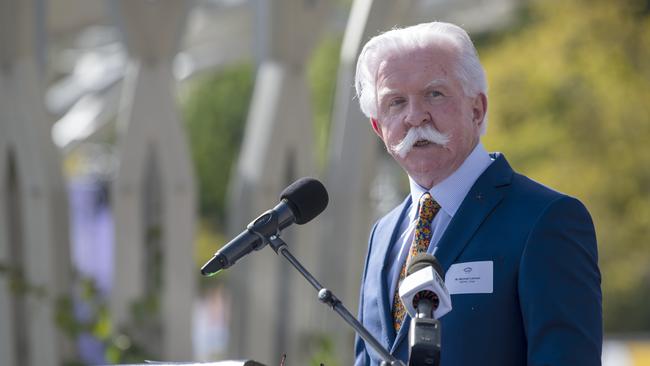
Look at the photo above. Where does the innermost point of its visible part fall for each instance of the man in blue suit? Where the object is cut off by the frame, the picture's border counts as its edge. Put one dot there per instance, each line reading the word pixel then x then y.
pixel 520 258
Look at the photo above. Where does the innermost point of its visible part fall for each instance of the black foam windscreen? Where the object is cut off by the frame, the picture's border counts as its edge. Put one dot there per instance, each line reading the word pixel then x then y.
pixel 307 198
pixel 422 261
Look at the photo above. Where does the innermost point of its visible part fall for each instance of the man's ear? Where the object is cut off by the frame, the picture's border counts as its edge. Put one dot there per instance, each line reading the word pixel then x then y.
pixel 479 109
pixel 375 126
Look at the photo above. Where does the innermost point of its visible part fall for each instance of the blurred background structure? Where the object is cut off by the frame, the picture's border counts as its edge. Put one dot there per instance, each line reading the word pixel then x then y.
pixel 138 136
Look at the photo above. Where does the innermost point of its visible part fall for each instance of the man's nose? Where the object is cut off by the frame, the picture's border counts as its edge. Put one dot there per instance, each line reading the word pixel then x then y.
pixel 417 114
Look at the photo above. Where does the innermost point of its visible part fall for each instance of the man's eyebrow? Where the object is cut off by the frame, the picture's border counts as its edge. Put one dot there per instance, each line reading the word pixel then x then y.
pixel 386 91
pixel 435 83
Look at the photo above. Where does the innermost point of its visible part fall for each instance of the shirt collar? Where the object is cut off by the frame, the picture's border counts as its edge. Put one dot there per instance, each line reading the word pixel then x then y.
pixel 451 192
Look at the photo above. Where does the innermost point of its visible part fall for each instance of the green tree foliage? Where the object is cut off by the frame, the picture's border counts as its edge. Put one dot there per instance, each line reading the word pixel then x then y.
pixel 570 107
pixel 119 344
pixel 216 107
pixel 215 111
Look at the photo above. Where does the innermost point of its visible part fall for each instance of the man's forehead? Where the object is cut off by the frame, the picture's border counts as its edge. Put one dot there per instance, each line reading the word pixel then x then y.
pixel 398 67
pixel 434 50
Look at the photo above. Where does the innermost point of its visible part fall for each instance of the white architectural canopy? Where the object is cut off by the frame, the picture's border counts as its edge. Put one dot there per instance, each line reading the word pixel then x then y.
pixel 269 317
pixel 33 210
pixel 154 193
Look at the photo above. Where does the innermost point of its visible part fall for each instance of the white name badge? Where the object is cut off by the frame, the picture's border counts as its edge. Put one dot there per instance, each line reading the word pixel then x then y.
pixel 470 278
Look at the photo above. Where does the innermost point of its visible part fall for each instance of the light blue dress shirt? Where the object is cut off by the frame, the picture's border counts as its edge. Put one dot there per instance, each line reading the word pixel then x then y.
pixel 449 193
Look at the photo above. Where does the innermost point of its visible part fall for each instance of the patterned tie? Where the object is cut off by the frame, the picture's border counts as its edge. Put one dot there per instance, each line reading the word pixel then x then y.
pixel 421 240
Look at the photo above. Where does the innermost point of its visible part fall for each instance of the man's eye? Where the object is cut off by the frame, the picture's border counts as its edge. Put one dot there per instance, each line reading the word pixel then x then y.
pixel 396 102
pixel 435 93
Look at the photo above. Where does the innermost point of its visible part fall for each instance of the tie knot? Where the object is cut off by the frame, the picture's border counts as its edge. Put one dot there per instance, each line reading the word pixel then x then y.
pixel 428 207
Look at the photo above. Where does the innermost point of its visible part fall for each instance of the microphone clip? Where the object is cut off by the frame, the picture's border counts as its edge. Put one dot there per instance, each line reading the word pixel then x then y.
pixel 265 226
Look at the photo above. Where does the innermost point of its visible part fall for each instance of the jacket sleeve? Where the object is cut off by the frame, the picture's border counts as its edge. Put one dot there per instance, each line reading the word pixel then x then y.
pixel 559 288
pixel 361 357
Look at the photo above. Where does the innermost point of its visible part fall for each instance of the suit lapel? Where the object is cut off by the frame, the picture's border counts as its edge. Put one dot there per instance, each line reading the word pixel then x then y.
pixel 403 331
pixel 482 198
pixel 385 238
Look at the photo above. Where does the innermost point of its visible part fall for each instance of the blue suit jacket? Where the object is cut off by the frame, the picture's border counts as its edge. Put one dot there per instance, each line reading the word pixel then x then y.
pixel 545 308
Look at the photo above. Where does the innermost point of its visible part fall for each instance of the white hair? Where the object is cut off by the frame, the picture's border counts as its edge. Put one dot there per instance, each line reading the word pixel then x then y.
pixel 397 41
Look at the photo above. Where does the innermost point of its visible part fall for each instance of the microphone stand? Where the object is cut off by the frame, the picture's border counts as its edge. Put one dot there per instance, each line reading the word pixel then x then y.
pixel 326 296
pixel 424 341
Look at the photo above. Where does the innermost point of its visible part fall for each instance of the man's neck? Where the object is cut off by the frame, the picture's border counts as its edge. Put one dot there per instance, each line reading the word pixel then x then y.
pixel 429 181
pixel 450 191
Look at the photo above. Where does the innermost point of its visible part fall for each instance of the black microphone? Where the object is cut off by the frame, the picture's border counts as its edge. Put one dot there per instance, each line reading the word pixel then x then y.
pixel 426 299
pixel 299 203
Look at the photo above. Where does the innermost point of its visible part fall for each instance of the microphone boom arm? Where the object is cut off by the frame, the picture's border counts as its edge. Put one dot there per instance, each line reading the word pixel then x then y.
pixel 326 296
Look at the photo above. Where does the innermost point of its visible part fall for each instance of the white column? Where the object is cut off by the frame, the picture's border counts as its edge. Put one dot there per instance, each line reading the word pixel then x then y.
pixel 351 171
pixel 151 132
pixel 33 208
pixel 7 317
pixel 271 304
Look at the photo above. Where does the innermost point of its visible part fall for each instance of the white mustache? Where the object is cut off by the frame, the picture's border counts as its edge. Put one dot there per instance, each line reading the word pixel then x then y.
pixel 416 134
